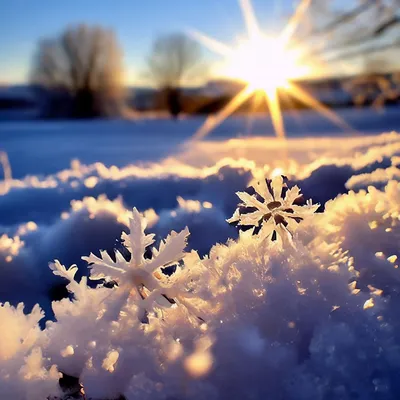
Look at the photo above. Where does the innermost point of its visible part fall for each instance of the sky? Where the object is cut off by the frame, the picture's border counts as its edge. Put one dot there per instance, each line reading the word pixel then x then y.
pixel 136 23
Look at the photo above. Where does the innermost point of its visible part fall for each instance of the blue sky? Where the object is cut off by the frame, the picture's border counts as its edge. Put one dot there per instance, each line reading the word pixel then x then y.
pixel 136 22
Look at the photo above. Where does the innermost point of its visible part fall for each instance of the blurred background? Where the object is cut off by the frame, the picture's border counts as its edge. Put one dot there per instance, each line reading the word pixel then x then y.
pixel 97 59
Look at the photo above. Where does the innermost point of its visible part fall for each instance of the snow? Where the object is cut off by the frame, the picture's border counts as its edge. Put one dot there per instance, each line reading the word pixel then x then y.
pixel 126 142
pixel 210 310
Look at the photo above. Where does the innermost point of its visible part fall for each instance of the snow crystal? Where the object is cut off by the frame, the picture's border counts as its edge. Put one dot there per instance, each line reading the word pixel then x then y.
pixel 315 317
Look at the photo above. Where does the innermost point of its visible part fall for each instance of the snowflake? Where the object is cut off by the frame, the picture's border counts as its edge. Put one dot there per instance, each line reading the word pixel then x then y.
pixel 142 276
pixel 87 296
pixel 276 214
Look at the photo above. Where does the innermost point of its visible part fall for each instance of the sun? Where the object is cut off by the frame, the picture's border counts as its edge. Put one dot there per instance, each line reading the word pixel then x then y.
pixel 266 64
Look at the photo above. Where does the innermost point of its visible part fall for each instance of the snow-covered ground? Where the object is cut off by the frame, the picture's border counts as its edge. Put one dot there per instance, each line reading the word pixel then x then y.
pixel 61 168
pixel 311 316
pixel 47 147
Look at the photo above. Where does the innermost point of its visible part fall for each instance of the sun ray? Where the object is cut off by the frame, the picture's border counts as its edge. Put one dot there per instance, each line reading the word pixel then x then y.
pixel 267 65
pixel 294 21
pixel 250 18
pixel 255 106
pixel 292 106
pixel 256 101
pixel 213 121
pixel 276 114
pixel 258 97
pixel 211 43
pixel 307 99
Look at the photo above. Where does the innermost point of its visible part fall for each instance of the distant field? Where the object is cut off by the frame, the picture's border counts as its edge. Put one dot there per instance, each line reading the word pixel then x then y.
pixel 44 147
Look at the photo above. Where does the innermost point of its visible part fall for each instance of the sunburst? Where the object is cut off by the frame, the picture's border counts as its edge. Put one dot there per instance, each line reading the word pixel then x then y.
pixel 268 66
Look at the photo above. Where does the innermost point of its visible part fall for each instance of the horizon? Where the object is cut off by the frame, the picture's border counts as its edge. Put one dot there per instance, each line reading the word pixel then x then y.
pixel 216 79
pixel 136 25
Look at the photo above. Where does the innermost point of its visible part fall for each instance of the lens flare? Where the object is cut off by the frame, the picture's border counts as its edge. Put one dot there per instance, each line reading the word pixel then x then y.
pixel 264 64
pixel 267 65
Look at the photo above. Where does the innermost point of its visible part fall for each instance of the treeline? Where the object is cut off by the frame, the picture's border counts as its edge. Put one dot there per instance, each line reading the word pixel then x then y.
pixel 58 103
pixel 80 74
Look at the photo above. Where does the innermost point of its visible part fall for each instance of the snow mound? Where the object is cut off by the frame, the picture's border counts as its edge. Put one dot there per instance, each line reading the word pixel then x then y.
pixel 308 312
pixel 172 302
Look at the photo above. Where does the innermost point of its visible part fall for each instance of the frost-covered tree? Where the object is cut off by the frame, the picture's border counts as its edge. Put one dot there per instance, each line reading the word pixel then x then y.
pixel 82 70
pixel 174 59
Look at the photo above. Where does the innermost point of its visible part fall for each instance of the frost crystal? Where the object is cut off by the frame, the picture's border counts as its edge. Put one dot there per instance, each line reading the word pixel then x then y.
pixel 82 293
pixel 276 214
pixel 142 276
pixel 24 372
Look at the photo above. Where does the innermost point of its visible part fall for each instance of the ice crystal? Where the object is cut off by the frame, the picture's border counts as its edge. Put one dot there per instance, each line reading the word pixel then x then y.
pixel 143 276
pixel 276 213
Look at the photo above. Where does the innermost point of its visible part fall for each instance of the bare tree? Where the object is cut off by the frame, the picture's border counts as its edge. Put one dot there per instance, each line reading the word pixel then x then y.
pixel 83 65
pixel 348 38
pixel 173 61
pixel 335 34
